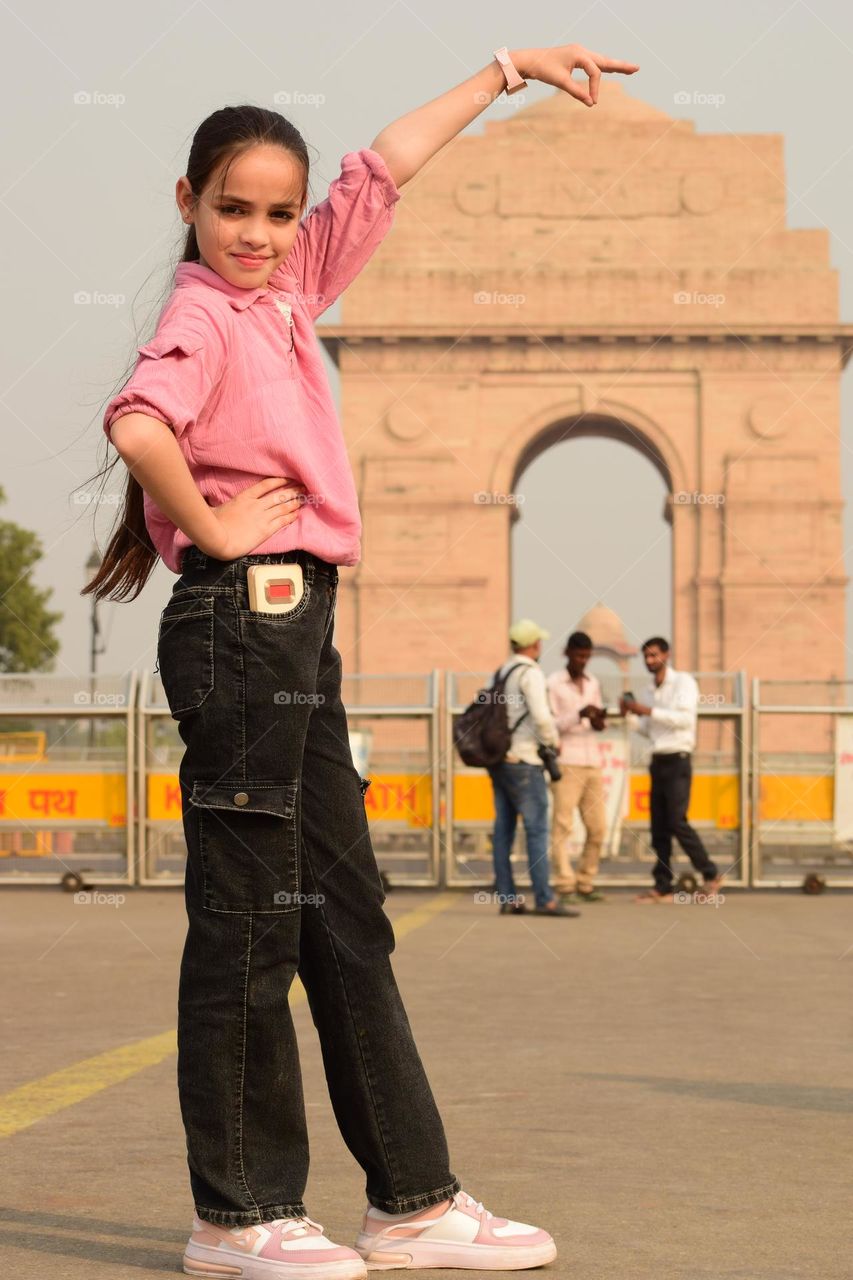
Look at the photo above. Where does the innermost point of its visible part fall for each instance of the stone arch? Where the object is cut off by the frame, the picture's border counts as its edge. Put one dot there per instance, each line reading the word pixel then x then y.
pixel 602 300
pixel 608 420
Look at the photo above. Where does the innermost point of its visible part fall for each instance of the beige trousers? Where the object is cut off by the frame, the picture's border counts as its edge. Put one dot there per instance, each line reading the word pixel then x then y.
pixel 581 787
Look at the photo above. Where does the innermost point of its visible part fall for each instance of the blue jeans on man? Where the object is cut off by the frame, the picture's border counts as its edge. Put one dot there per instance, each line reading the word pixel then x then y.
pixel 521 788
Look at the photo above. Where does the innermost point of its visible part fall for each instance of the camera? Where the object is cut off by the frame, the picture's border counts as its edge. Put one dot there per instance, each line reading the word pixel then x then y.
pixel 548 756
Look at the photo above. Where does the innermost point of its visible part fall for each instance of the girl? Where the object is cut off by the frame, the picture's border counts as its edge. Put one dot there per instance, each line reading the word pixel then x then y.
pixel 237 461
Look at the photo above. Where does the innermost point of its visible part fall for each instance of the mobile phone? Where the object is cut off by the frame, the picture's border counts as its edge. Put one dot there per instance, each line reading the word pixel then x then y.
pixel 274 588
pixel 629 697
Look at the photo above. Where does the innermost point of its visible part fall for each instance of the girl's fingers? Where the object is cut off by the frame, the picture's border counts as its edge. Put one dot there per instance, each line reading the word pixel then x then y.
pixel 271 482
pixel 574 87
pixel 613 64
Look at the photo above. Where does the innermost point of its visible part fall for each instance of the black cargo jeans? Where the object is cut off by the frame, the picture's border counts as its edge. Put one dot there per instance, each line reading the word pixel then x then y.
pixel 281 879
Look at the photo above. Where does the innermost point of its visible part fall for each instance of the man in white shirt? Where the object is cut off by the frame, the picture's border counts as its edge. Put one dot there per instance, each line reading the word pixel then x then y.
pixel 668 718
pixel 518 781
pixel 579 716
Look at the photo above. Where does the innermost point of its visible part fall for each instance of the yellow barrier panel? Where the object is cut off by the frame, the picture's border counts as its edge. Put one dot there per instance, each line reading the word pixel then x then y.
pixel 792 797
pixel 63 797
pixel 391 797
pixel 715 798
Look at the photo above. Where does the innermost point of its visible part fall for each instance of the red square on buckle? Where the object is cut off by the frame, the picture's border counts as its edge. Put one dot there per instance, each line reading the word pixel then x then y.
pixel 278 589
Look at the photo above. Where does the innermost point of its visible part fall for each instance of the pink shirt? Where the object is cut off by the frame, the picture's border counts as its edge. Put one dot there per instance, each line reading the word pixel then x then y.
pixel 578 743
pixel 238 373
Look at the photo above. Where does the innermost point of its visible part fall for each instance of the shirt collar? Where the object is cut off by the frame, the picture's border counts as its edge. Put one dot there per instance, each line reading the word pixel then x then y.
pixel 195 272
pixel 668 678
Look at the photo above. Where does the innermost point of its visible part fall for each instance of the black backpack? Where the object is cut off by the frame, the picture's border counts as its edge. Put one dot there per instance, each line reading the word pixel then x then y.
pixel 482 734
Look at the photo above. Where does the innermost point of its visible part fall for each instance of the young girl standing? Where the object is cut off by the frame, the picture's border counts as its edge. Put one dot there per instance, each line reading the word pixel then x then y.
pixel 240 481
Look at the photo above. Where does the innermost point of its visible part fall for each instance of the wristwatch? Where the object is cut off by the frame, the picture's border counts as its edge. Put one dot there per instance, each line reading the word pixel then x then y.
pixel 514 81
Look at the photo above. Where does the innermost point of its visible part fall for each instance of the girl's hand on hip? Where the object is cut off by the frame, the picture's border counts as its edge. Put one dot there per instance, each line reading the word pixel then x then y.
pixel 555 66
pixel 255 514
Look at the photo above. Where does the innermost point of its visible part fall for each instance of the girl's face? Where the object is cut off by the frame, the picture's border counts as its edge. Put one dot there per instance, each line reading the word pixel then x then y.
pixel 246 228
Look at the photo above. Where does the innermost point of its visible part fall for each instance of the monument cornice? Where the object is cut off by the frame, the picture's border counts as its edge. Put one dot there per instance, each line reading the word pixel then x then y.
pixel 334 336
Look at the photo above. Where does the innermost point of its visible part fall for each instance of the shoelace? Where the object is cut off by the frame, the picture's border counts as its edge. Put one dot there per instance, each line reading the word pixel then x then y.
pixel 300 1225
pixel 463 1199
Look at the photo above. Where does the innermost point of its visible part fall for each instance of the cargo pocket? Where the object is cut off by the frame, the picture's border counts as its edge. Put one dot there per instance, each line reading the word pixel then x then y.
pixel 185 653
pixel 248 845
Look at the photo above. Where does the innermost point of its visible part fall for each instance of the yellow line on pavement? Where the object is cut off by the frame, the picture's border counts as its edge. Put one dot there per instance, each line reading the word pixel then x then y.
pixel 34 1101
pixel 40 1098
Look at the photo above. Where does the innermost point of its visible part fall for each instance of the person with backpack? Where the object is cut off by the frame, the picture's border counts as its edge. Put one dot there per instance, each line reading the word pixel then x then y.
pixel 518 780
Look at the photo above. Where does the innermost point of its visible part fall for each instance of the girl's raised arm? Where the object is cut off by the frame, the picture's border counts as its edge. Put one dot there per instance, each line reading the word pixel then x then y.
pixel 407 143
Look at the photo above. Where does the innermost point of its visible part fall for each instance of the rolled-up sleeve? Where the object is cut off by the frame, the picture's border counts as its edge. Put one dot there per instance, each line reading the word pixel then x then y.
pixel 177 370
pixel 339 235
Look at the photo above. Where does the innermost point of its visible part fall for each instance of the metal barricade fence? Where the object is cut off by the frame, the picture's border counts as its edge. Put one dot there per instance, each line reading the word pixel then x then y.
pixel 89 781
pixel 719 796
pixel 394 729
pixel 802 782
pixel 66 767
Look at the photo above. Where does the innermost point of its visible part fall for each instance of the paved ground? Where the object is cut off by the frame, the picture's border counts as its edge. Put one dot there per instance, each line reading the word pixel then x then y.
pixel 667 1089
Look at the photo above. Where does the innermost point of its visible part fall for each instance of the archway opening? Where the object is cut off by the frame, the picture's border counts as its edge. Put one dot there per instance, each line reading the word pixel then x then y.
pixel 593 534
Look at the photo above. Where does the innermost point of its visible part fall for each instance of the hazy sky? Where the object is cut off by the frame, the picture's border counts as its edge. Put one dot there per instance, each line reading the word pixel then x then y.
pixel 88 205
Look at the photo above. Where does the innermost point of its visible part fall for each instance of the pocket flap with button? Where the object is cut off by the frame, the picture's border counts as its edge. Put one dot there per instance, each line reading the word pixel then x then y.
pixel 248 843
pixel 278 799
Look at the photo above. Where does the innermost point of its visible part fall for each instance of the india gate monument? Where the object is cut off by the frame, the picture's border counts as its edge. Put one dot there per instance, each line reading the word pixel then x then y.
pixel 616 274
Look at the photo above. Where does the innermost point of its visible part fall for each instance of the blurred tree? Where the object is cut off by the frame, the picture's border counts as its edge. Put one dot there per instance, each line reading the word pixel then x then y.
pixel 28 641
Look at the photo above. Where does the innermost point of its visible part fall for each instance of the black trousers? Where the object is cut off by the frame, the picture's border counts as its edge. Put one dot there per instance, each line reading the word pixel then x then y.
pixel 671 779
pixel 282 879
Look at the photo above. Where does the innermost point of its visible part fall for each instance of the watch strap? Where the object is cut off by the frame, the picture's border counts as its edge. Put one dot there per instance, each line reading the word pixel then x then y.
pixel 514 81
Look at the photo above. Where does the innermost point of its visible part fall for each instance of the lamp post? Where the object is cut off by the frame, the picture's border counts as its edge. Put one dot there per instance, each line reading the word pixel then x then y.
pixel 93 564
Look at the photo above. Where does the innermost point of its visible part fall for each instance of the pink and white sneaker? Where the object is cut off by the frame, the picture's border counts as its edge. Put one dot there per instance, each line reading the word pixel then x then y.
pixel 457 1233
pixel 284 1249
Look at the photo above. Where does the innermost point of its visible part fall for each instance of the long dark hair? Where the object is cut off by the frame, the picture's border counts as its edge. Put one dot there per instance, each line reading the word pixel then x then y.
pixel 130 556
